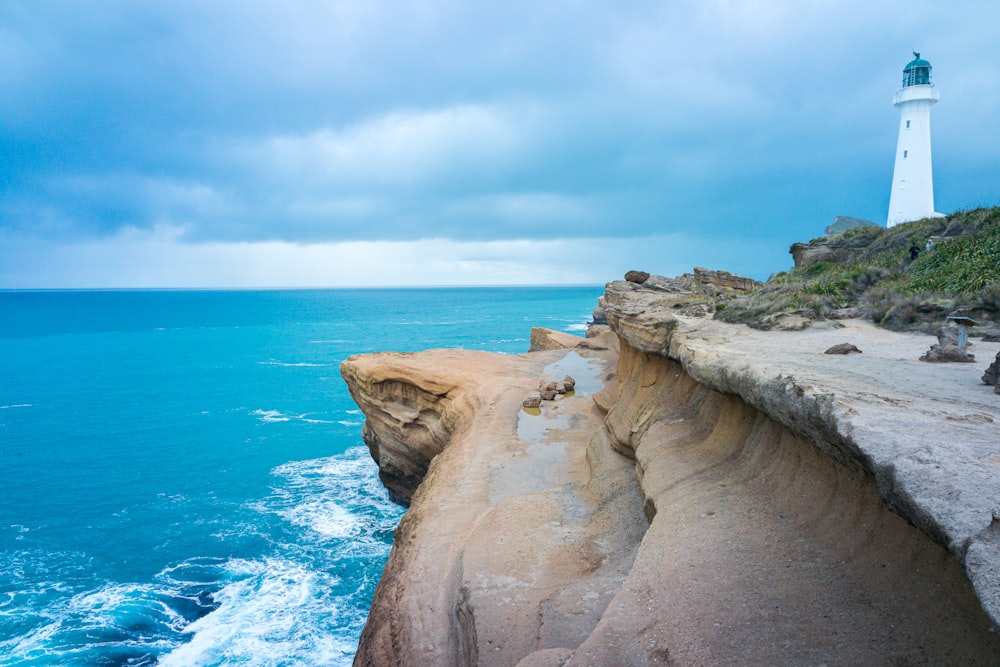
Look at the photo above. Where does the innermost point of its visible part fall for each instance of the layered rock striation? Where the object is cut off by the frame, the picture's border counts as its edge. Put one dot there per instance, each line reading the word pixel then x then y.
pixel 709 494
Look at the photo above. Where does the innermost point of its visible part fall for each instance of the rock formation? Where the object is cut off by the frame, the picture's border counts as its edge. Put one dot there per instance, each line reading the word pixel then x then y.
pixel 842 348
pixel 947 353
pixel 638 277
pixel 547 339
pixel 711 494
pixel 992 374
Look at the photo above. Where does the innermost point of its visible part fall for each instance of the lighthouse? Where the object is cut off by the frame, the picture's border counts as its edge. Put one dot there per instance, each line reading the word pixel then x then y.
pixel 912 196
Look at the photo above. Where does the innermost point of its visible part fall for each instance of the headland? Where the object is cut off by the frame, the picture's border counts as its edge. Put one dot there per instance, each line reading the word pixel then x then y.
pixel 708 493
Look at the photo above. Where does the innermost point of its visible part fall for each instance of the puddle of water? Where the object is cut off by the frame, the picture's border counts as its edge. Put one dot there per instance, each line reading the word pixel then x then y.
pixel 534 423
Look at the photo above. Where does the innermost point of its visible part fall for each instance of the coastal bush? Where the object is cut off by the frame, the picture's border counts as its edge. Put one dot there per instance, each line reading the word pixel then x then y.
pixel 874 272
pixel 959 266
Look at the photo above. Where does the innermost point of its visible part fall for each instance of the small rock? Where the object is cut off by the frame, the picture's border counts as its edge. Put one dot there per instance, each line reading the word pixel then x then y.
pixel 569 382
pixel 638 277
pixel 947 336
pixel 548 395
pixel 992 374
pixel 547 386
pixel 696 310
pixel 992 336
pixel 532 402
pixel 595 330
pixel 947 353
pixel 843 348
pixel 849 313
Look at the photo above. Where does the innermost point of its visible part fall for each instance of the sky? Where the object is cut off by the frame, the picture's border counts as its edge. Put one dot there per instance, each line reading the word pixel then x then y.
pixel 325 143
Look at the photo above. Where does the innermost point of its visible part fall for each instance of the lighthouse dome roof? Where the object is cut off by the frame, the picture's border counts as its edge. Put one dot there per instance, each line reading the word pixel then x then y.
pixel 917 72
pixel 916 62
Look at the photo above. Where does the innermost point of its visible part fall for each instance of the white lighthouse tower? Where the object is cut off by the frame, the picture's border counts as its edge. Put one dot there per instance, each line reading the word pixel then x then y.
pixel 912 195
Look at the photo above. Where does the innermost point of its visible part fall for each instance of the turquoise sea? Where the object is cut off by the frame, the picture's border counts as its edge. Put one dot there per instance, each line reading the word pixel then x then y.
pixel 182 477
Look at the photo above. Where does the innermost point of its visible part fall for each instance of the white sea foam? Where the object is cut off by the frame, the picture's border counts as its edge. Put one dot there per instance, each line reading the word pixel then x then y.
pixel 347 422
pixel 312 420
pixel 112 611
pixel 270 416
pixel 335 498
pixel 273 416
pixel 577 327
pixel 17 405
pixel 273 613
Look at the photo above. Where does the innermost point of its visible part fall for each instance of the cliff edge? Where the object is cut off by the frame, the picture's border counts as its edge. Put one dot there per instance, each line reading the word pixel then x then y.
pixel 709 494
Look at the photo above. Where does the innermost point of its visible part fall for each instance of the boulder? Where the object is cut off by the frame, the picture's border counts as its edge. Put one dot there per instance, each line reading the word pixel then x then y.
pixel 947 353
pixel 547 339
pixel 842 348
pixel 531 402
pixel 569 382
pixel 549 395
pixel 595 330
pixel 546 385
pixel 805 254
pixel 848 313
pixel 637 277
pixel 695 310
pixel 992 374
pixel 947 335
pixel 992 336
pixel 724 280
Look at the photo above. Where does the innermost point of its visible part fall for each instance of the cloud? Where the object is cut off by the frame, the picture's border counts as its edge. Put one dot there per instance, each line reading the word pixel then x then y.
pixel 325 122
pixel 403 150
pixel 158 258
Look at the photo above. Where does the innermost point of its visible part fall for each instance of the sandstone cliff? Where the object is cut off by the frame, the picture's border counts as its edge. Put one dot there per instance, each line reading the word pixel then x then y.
pixel 709 495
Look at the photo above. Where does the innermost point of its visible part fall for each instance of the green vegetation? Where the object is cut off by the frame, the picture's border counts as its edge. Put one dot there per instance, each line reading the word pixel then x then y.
pixel 868 271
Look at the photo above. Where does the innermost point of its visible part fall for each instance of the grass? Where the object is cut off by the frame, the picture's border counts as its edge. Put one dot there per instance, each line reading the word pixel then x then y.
pixel 873 274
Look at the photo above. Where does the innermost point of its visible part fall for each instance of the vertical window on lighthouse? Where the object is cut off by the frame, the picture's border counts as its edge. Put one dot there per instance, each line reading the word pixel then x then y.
pixel 904 153
pixel 907 125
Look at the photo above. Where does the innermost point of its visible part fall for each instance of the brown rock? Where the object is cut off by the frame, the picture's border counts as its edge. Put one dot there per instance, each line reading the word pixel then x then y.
pixel 549 395
pixel 947 353
pixel 531 402
pixel 842 348
pixel 757 481
pixel 805 255
pixel 547 339
pixel 947 335
pixel 724 280
pixel 546 385
pixel 638 277
pixel 595 330
pixel 992 374
pixel 569 382
pixel 413 409
pixel 847 313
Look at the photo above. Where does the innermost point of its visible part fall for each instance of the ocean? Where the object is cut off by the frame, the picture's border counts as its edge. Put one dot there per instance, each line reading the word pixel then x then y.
pixel 182 476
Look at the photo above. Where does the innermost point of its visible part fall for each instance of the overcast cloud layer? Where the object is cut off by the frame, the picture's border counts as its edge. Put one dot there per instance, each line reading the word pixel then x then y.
pixel 196 143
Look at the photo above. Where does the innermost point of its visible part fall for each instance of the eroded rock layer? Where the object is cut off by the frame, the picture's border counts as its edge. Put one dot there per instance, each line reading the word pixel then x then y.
pixel 662 521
